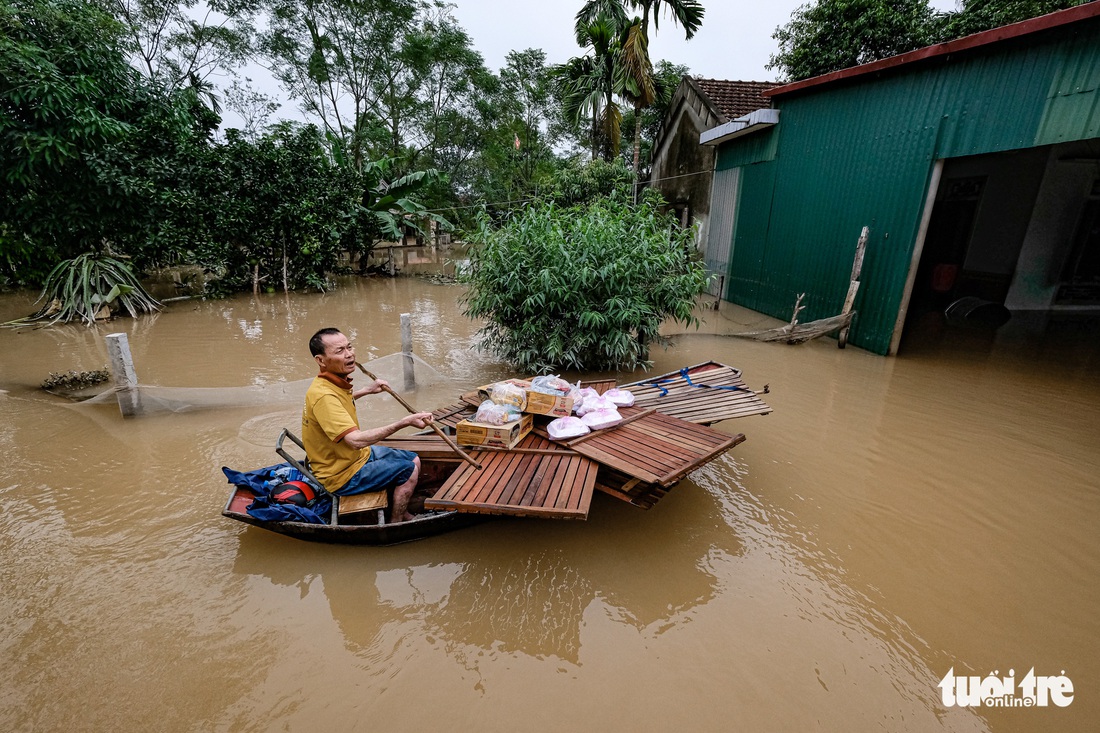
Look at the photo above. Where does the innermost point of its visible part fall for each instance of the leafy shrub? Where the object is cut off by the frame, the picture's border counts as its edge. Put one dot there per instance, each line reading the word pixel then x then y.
pixel 578 181
pixel 582 288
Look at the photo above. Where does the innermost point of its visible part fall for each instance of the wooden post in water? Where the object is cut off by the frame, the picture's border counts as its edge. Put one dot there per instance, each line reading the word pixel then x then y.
pixel 853 286
pixel 122 369
pixel 393 264
pixel 406 352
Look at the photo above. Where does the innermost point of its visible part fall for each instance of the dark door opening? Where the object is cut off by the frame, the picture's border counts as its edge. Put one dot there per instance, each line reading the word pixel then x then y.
pixel 946 244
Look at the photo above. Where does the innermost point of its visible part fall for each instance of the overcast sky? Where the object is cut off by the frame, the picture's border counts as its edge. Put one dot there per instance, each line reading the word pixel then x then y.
pixel 734 41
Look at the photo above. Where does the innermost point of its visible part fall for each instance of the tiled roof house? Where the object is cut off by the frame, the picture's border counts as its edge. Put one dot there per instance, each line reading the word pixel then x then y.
pixel 681 168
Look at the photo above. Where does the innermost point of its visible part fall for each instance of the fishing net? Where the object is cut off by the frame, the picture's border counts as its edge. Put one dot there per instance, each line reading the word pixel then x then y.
pixel 148 399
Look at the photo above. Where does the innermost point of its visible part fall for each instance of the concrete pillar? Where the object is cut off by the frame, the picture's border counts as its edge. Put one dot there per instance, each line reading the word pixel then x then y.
pixel 125 378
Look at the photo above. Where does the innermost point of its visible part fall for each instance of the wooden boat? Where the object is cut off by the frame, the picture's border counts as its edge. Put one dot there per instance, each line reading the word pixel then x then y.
pixel 362 528
pixel 424 525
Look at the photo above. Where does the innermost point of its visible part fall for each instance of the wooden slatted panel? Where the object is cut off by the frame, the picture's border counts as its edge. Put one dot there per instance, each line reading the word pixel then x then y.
pixel 600 385
pixel 452 415
pixel 625 488
pixel 540 479
pixel 703 404
pixel 652 447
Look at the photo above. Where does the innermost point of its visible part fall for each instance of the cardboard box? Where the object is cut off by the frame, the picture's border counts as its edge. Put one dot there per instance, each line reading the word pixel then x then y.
pixel 536 403
pixel 548 404
pixel 468 432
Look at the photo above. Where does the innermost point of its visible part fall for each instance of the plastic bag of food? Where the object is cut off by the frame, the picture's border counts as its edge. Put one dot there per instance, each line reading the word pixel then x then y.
pixel 491 413
pixel 621 397
pixel 566 427
pixel 604 418
pixel 553 385
pixel 596 402
pixel 504 393
pixel 580 395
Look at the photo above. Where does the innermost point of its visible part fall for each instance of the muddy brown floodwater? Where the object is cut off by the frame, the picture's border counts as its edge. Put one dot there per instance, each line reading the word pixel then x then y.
pixel 891 520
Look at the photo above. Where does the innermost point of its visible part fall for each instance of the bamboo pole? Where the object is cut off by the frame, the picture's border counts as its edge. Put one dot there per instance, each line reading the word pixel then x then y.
pixel 454 446
pixel 407 368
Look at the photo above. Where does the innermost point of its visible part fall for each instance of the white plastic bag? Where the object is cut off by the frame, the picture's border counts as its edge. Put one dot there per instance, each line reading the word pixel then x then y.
pixel 621 397
pixel 504 393
pixel 595 402
pixel 566 427
pixel 579 395
pixel 598 419
pixel 491 413
pixel 552 385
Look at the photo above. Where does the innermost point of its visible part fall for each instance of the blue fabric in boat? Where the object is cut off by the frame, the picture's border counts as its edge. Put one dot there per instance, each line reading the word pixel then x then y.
pixel 261 482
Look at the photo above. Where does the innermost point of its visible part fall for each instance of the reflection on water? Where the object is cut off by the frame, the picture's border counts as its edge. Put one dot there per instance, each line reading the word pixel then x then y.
pixel 530 595
pixel 891 519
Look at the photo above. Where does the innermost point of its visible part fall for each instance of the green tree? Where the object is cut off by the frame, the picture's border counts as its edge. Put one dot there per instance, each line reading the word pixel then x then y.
pixel 641 82
pixel 828 35
pixel 447 127
pixel 577 182
pixel 182 43
pixel 276 210
pixel 975 16
pixel 515 159
pixel 66 92
pixel 344 60
pixel 394 81
pixel 581 288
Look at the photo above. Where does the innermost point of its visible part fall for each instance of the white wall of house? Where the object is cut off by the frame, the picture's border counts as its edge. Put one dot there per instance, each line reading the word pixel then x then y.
pixel 1066 183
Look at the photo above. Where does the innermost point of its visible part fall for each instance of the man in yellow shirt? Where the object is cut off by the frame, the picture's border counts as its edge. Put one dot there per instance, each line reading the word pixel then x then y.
pixel 344 458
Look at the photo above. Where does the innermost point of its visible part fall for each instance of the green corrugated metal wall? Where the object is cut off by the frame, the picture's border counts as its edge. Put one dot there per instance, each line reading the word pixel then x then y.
pixel 861 152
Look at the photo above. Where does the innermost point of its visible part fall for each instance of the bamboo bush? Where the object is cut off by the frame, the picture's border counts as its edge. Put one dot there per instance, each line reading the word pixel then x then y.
pixel 582 288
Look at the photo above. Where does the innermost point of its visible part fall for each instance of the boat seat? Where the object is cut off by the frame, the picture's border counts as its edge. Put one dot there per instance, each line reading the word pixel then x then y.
pixel 359 503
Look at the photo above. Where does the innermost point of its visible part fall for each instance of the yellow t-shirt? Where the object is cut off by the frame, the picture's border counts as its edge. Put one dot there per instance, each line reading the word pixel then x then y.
pixel 328 416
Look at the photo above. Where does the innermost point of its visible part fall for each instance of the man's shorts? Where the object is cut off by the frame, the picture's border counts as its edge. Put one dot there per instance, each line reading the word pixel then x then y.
pixel 386 467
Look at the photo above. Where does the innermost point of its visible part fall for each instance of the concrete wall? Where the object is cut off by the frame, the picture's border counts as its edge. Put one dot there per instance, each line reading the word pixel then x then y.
pixel 682 169
pixel 1012 184
pixel 1061 197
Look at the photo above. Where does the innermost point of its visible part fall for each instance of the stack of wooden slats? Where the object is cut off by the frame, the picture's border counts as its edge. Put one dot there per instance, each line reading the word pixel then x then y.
pixel 705 394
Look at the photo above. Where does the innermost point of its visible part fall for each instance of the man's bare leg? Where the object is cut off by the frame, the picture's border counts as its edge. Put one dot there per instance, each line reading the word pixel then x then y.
pixel 403 493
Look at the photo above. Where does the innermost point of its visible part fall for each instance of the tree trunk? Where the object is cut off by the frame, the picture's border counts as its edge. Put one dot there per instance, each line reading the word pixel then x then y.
pixel 637 145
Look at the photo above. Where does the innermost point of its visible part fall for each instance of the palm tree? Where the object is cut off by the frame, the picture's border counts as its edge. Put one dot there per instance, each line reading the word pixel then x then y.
pixel 587 85
pixel 638 82
pixel 686 13
pixel 635 67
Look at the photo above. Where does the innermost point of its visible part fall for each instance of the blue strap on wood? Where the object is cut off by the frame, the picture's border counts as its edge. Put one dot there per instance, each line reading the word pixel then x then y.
pixel 684 373
pixel 733 388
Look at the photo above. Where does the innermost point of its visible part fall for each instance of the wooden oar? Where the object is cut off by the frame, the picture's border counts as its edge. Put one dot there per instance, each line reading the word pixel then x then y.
pixel 454 446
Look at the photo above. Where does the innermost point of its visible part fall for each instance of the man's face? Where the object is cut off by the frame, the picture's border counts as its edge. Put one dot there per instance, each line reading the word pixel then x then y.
pixel 339 356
